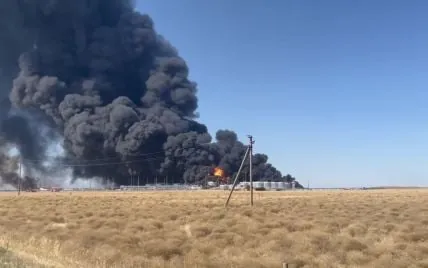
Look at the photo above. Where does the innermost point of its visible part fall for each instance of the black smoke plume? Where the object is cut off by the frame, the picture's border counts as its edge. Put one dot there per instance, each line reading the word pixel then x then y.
pixel 96 74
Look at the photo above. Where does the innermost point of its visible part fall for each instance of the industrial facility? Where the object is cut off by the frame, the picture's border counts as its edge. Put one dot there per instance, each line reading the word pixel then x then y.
pixel 216 179
pixel 262 186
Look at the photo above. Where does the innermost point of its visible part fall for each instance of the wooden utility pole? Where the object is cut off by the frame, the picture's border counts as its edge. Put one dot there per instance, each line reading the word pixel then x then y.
pixel 237 176
pixel 248 153
pixel 250 146
pixel 20 176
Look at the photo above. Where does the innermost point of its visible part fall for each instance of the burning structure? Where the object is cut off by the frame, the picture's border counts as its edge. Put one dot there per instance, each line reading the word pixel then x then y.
pixel 217 177
pixel 218 172
pixel 96 77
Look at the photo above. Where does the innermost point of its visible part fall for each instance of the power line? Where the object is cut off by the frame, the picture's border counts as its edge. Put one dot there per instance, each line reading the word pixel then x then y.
pixel 109 163
pixel 92 160
pixel 109 158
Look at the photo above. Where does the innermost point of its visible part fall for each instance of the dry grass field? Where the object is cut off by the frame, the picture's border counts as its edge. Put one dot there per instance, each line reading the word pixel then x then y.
pixel 385 228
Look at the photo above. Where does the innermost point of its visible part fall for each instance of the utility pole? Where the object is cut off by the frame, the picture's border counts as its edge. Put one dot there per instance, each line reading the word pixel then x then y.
pixel 248 153
pixel 20 176
pixel 250 146
pixel 237 176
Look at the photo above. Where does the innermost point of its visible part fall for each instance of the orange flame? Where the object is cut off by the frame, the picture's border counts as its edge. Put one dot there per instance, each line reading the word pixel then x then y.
pixel 218 172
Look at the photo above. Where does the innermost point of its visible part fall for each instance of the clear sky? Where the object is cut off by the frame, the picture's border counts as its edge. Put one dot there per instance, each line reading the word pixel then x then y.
pixel 335 92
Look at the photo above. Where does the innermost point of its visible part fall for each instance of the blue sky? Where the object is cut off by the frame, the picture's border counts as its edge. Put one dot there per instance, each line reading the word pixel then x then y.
pixel 335 92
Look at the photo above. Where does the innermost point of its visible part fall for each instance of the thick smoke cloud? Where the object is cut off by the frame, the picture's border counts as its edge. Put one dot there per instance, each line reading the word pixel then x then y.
pixel 97 74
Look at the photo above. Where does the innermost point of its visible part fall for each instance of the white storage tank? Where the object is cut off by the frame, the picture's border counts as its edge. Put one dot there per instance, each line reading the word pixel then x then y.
pixel 211 183
pixel 243 185
pixel 258 185
pixel 275 185
pixel 267 185
pixel 272 185
pixel 224 187
pixel 282 185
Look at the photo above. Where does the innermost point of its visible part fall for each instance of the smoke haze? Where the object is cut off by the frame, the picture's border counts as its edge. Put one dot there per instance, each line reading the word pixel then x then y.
pixel 97 76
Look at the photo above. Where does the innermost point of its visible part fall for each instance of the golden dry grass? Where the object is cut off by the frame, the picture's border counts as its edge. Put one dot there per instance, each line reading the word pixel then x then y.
pixel 386 228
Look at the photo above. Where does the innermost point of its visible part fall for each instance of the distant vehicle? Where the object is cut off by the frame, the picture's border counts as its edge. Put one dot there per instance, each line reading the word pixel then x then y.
pixel 32 190
pixel 56 189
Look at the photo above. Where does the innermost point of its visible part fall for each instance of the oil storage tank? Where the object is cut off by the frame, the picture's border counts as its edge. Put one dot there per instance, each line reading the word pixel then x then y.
pixel 273 185
pixel 267 185
pixel 258 185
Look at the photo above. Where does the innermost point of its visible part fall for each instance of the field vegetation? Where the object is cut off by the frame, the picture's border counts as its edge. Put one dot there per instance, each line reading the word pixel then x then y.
pixel 379 228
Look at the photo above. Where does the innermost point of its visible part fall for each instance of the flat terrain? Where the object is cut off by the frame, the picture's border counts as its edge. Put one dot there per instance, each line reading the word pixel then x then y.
pixel 378 228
